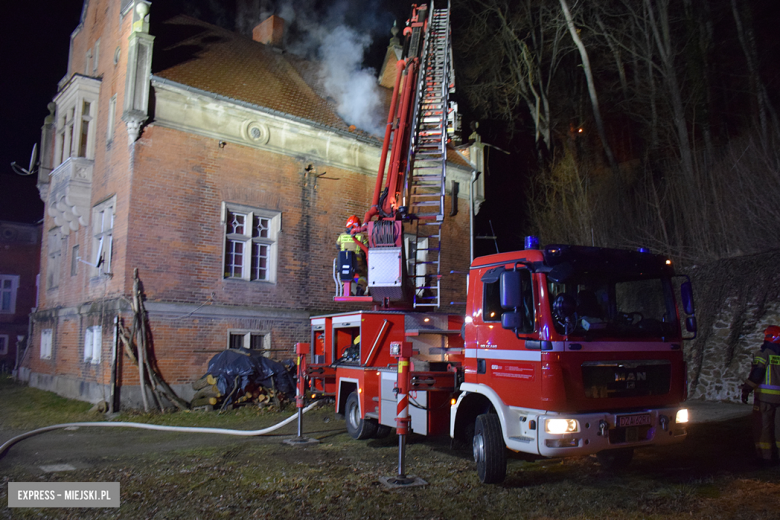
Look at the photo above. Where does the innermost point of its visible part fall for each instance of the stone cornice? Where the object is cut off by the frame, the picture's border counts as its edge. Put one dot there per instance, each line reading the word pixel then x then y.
pixel 192 110
pixel 170 310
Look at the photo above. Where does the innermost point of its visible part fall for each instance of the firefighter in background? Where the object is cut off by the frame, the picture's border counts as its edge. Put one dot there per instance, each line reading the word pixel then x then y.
pixel 764 380
pixel 352 258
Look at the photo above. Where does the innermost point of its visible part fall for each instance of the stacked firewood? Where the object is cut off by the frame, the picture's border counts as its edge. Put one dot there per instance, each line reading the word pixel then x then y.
pixel 208 395
pixel 262 396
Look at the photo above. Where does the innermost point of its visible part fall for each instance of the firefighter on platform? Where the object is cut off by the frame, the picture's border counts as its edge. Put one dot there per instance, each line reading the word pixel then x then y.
pixel 352 258
pixel 764 380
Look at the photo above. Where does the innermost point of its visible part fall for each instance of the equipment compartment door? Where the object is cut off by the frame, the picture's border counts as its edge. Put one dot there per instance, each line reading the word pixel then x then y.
pixel 387 401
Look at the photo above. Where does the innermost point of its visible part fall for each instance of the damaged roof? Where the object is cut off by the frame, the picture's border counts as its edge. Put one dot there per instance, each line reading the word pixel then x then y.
pixel 215 60
pixel 208 58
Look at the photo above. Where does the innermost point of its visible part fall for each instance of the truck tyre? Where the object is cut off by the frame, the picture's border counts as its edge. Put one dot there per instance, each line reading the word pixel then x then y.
pixel 489 449
pixel 382 431
pixel 357 428
pixel 615 459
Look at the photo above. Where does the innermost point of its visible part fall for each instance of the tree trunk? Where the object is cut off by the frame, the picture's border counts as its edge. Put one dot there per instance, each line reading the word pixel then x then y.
pixel 765 109
pixel 663 40
pixel 594 100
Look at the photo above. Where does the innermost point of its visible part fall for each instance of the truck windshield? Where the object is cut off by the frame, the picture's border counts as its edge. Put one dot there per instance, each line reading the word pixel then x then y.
pixel 625 308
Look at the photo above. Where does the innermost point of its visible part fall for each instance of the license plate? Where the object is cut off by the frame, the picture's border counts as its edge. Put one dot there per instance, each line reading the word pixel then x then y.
pixel 633 420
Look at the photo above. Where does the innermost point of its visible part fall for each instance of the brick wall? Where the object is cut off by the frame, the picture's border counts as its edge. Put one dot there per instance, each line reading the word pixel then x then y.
pixel 176 239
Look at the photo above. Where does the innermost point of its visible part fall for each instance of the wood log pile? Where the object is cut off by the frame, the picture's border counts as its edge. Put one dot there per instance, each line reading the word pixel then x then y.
pixel 208 395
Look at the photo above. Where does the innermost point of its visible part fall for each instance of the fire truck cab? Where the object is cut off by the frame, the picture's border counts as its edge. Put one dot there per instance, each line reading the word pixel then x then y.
pixel 572 350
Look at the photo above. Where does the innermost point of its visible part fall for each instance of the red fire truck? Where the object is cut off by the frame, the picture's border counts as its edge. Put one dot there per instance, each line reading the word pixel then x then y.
pixel 565 350
pixel 568 350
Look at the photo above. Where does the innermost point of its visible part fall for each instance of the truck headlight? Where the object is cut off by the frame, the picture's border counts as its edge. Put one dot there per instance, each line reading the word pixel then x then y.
pixel 682 416
pixel 559 426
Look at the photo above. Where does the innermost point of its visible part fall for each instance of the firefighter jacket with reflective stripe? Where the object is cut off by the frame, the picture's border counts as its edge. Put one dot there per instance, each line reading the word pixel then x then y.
pixel 346 243
pixel 764 375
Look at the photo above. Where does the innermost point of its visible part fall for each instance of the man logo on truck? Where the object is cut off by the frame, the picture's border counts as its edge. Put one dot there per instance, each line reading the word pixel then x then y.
pixel 630 376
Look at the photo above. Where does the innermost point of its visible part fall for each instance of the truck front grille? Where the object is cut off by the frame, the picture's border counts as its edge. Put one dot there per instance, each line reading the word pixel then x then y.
pixel 633 378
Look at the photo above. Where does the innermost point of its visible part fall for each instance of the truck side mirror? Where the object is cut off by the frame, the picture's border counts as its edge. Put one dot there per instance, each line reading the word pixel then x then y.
pixel 690 324
pixel 512 320
pixel 509 287
pixel 686 292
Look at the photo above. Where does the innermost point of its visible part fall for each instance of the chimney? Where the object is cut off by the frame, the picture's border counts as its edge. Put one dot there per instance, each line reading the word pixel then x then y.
pixel 269 32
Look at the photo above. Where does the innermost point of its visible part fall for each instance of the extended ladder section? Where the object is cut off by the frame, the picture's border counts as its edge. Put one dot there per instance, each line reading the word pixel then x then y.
pixel 426 180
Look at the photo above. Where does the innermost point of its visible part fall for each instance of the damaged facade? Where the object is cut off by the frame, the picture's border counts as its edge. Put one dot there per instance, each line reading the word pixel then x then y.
pixel 214 164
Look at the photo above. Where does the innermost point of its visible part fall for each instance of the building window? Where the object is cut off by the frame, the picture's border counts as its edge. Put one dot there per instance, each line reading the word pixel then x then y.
pixel 9 284
pixel 249 339
pixel 54 254
pixel 74 261
pixel 250 243
pixel 76 116
pixel 93 342
pixel 46 341
pixel 3 345
pixel 102 236
pixel 111 119
pixel 86 120
pixel 96 57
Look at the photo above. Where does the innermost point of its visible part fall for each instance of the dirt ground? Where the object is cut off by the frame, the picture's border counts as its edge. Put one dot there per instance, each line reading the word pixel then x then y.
pixel 173 475
pixel 91 447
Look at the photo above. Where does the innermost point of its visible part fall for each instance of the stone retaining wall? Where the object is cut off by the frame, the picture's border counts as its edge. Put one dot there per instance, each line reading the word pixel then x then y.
pixel 737 298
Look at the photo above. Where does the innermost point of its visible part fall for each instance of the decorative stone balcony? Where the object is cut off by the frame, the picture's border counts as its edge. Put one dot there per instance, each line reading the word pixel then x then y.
pixel 70 194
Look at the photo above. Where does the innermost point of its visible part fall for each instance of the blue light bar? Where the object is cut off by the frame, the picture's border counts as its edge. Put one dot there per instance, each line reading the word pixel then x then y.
pixel 532 242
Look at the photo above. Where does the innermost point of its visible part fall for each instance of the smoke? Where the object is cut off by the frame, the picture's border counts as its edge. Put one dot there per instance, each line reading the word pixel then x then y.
pixel 336 36
pixel 353 87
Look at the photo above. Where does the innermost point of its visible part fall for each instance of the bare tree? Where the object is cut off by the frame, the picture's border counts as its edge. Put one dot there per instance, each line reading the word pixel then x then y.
pixel 658 20
pixel 662 81
pixel 594 100
pixel 765 109
pixel 513 53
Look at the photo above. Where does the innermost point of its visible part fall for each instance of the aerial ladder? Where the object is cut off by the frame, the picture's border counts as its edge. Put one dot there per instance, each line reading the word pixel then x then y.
pixel 411 181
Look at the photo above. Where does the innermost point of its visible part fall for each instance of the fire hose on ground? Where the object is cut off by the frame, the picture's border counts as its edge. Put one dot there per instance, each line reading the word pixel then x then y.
pixel 158 427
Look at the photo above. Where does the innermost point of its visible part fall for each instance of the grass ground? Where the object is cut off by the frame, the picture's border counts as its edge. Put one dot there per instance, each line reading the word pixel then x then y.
pixel 195 476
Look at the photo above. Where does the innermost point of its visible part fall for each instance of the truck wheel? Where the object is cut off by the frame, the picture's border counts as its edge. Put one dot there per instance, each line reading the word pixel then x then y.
pixel 489 449
pixel 615 459
pixel 357 428
pixel 382 431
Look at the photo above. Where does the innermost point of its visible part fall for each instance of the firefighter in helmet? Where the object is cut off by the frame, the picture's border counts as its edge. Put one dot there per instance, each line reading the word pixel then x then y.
pixel 764 381
pixel 352 260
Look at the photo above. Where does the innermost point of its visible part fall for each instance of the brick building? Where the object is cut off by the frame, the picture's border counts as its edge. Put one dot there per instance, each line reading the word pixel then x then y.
pixel 20 250
pixel 212 163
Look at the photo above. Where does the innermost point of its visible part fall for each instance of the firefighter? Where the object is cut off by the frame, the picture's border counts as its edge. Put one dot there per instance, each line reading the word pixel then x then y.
pixel 764 380
pixel 352 260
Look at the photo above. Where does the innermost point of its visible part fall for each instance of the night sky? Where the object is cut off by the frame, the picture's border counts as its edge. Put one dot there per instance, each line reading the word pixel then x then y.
pixel 35 42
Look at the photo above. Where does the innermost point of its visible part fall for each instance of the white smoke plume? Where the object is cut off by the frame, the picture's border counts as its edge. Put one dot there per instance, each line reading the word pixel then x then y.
pixel 353 87
pixel 338 44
